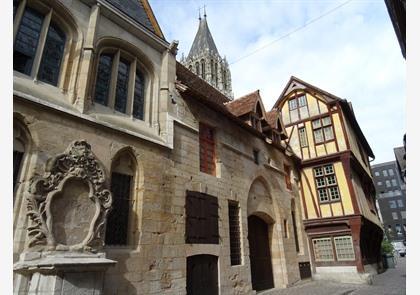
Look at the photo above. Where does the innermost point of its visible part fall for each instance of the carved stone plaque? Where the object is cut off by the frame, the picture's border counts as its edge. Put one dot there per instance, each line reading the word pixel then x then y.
pixel 67 207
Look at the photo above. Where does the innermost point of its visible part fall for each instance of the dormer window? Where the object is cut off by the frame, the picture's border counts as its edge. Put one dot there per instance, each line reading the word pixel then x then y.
pixel 298 108
pixel 120 83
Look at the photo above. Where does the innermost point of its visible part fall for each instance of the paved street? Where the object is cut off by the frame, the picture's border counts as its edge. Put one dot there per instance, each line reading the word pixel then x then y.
pixel 391 282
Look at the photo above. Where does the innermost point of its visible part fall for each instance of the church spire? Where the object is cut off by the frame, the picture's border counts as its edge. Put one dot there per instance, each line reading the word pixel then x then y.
pixel 205 61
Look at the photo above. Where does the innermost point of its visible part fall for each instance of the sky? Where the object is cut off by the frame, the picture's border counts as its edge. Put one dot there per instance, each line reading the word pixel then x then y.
pixel 352 52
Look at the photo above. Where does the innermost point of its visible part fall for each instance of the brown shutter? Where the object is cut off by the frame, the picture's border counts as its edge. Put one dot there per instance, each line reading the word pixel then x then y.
pixel 207 149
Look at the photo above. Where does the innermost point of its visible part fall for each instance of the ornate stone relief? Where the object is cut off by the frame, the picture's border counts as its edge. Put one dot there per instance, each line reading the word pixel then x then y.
pixel 68 206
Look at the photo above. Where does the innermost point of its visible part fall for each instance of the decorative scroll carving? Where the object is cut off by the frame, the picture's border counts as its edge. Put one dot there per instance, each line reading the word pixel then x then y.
pixel 73 182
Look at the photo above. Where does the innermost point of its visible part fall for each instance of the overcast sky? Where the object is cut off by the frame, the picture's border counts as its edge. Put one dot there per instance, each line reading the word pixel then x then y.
pixel 352 52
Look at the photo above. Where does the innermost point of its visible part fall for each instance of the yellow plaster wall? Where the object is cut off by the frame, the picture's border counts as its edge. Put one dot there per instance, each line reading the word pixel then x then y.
pixel 341 140
pixel 307 189
pixel 325 210
pixel 285 113
pixel 331 148
pixel 310 135
pixel 320 150
pixel 312 105
pixel 344 189
pixel 336 208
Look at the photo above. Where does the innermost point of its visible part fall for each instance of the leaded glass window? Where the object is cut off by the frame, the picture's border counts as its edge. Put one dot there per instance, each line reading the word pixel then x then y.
pixel 344 248
pixel 302 137
pixel 326 183
pixel 122 86
pixel 103 79
pixel 298 108
pixel 26 41
pixel 323 249
pixel 138 105
pixel 323 130
pixel 52 56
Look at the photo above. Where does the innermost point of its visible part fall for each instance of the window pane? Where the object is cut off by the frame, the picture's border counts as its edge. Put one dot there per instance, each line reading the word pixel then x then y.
pixel 302 100
pixel 323 195
pixel 344 248
pixel 326 121
pixel 385 173
pixel 319 137
pixel 319 171
pixel 320 182
pixel 323 249
pixel 329 169
pixel 395 215
pixel 304 112
pixel 403 215
pixel 138 104
pixel 103 79
pixel 391 172
pixel 394 182
pixel 234 234
pixel 376 173
pixel 388 183
pixel 334 193
pixel 331 180
pixel 294 115
pixel 53 54
pixel 400 203
pixel 316 123
pixel 302 137
pixel 329 134
pixel 122 86
pixel 292 104
pixel 27 39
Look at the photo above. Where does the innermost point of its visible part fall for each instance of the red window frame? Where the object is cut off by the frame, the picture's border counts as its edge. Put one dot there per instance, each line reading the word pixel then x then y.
pixel 207 149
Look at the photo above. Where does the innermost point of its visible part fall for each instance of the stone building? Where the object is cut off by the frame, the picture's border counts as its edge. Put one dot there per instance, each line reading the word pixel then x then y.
pixel 132 175
pixel 205 61
pixel 391 197
pixel 336 187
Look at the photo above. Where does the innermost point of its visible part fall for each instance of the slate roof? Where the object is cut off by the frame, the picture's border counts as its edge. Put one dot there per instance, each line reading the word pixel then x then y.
pixel 203 40
pixel 243 105
pixel 136 10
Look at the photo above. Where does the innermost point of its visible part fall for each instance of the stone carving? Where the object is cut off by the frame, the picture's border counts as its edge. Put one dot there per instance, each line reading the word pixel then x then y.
pixel 68 206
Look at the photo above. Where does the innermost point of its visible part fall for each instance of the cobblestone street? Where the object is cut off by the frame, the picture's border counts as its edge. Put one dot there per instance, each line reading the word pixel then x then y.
pixel 391 282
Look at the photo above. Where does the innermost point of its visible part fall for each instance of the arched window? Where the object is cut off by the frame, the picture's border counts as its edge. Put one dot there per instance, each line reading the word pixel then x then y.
pixel 39 44
pixel 215 73
pixel 197 68
pixel 224 80
pixel 203 69
pixel 120 83
pixel 20 143
pixel 123 173
pixel 212 70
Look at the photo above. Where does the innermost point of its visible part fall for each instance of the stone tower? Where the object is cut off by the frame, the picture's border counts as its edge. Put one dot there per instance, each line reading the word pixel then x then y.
pixel 205 61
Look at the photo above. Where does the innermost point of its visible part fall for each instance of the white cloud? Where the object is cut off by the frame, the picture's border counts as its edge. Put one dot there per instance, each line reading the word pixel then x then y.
pixel 352 52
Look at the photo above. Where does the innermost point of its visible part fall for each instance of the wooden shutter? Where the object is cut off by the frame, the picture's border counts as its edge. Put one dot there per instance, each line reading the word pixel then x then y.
pixel 117 223
pixel 207 149
pixel 202 220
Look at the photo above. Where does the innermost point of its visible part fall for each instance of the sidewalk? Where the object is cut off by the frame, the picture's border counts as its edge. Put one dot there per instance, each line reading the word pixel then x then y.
pixel 391 282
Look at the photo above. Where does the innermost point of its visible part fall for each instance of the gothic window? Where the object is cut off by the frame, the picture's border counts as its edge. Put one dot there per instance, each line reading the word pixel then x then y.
pixel 120 83
pixel 295 232
pixel 224 80
pixel 323 130
pixel 203 69
pixel 37 32
pixel 207 149
pixel 234 233
pixel 212 70
pixel 122 182
pixel 326 184
pixel 298 108
pixel 197 68
pixel 20 145
pixel 216 74
pixel 202 219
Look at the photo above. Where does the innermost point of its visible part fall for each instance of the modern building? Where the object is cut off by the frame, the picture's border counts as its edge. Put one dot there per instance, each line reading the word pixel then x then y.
pixel 336 186
pixel 132 175
pixel 391 196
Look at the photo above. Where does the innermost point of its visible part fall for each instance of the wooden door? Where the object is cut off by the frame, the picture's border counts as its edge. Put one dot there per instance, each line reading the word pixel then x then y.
pixel 202 275
pixel 259 252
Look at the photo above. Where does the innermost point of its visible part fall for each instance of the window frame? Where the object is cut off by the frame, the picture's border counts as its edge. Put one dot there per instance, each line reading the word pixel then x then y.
pixel 207 146
pixel 299 106
pixel 135 66
pixel 303 135
pixel 234 216
pixel 322 183
pixel 321 128
pixel 337 250
pixel 315 241
pixel 50 18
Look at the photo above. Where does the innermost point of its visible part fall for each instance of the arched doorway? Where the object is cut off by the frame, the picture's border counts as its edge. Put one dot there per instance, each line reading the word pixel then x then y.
pixel 259 254
pixel 202 275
